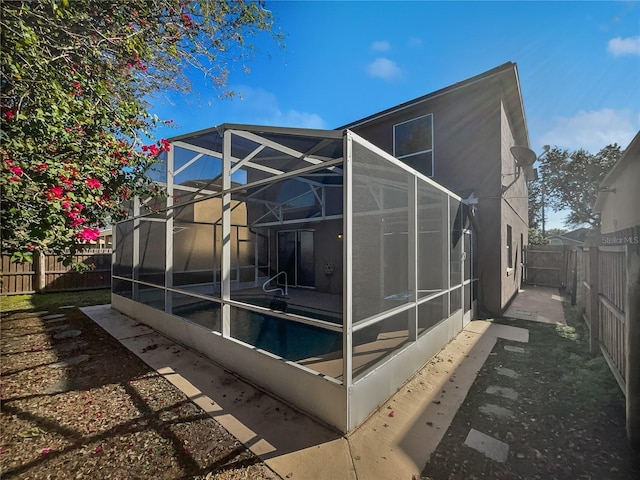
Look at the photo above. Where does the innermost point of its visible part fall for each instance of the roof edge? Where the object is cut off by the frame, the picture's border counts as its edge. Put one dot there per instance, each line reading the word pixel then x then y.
pixel 456 86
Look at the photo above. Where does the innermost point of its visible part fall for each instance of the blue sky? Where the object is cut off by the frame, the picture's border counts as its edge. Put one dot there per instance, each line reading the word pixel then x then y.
pixel 579 66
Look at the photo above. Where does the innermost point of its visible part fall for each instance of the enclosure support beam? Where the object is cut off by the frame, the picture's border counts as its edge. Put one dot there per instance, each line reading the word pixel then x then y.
pixel 226 234
pixel 412 283
pixel 135 261
pixel 347 255
pixel 446 258
pixel 168 275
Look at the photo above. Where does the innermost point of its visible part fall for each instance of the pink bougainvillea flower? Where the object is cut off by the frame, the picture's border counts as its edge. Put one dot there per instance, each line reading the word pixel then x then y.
pixel 14 179
pixel 98 450
pixel 78 221
pixel 9 115
pixel 16 170
pixel 88 234
pixel 30 247
pixel 41 168
pixel 93 183
pixel 54 193
pixel 45 451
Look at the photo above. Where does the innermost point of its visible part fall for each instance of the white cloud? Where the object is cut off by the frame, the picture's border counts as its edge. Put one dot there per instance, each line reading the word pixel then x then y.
pixel 624 46
pixel 385 69
pixel 294 118
pixel 415 42
pixel 381 46
pixel 261 107
pixel 592 130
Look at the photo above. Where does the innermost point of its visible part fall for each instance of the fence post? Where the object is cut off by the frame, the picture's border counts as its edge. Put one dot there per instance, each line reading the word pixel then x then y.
pixel 574 277
pixel 632 309
pixel 594 320
pixel 39 268
pixel 579 275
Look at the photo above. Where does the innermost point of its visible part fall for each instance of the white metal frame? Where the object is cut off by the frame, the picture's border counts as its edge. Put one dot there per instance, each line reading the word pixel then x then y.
pixel 343 404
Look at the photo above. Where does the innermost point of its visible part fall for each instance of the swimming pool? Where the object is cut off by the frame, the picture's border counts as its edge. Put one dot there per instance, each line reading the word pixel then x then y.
pixel 288 339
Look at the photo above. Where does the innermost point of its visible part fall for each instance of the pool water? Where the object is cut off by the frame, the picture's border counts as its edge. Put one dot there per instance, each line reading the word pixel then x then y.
pixel 286 338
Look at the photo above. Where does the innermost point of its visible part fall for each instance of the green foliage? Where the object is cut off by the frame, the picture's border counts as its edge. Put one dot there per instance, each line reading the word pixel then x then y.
pixel 75 81
pixel 536 238
pixel 571 181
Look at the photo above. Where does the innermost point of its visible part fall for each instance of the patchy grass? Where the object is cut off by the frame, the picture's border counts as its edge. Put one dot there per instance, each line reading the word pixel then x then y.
pixel 568 420
pixel 47 301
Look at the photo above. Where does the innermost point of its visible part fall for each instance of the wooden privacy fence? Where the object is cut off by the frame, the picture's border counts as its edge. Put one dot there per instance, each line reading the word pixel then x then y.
pixel 608 297
pixel 48 274
pixel 549 265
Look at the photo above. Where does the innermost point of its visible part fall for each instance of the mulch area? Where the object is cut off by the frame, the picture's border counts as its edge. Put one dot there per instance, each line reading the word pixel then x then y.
pixel 568 418
pixel 107 416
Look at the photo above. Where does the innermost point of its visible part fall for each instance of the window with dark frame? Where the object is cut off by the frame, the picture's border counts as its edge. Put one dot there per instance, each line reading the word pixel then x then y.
pixel 413 143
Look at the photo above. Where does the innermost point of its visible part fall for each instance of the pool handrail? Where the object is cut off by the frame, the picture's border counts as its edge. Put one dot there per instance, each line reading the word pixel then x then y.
pixel 284 292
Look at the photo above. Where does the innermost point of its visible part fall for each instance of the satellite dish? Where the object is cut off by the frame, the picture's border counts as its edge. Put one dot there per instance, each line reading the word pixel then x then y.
pixel 524 156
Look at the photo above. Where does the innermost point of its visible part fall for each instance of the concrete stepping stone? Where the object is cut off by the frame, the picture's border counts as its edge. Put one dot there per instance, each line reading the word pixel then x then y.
pixel 496 411
pixel 487 445
pixel 511 348
pixel 68 385
pixel 54 320
pixel 69 347
pixel 67 334
pixel 66 307
pixel 504 392
pixel 507 372
pixel 56 327
pixel 70 361
pixel 54 316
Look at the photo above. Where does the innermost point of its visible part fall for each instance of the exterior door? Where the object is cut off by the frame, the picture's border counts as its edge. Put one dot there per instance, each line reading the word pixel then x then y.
pixel 296 257
pixel 467 276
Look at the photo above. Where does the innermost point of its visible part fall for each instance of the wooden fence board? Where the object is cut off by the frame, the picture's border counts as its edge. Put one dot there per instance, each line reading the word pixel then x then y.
pixel 20 278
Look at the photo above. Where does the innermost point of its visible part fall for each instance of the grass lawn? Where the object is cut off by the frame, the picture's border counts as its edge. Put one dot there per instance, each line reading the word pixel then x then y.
pixel 47 301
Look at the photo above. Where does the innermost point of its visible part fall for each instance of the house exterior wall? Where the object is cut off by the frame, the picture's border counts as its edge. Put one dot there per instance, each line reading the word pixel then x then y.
pixel 514 214
pixel 620 208
pixel 472 136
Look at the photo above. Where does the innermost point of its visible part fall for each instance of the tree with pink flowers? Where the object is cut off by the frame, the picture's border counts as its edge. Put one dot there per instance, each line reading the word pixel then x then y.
pixel 74 111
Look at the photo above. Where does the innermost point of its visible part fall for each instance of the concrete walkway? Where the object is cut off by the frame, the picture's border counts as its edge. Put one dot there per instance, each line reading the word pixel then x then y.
pixel 394 443
pixel 539 304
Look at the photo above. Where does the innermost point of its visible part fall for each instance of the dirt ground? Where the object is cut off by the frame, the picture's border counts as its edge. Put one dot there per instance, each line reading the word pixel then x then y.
pixel 108 416
pixel 568 418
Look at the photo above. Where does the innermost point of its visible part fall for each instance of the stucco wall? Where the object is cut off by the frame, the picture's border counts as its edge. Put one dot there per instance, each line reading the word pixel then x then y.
pixel 514 212
pixel 620 209
pixel 468 157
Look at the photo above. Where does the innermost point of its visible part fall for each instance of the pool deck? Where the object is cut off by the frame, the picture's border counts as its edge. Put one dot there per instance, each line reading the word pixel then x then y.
pixel 394 443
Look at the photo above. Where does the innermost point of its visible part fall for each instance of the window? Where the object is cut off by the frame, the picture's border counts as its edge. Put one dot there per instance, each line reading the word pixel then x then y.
pixel 413 143
pixel 509 248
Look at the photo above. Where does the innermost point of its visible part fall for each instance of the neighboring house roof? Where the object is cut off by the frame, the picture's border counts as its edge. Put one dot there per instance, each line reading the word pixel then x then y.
pixel 507 73
pixel 574 237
